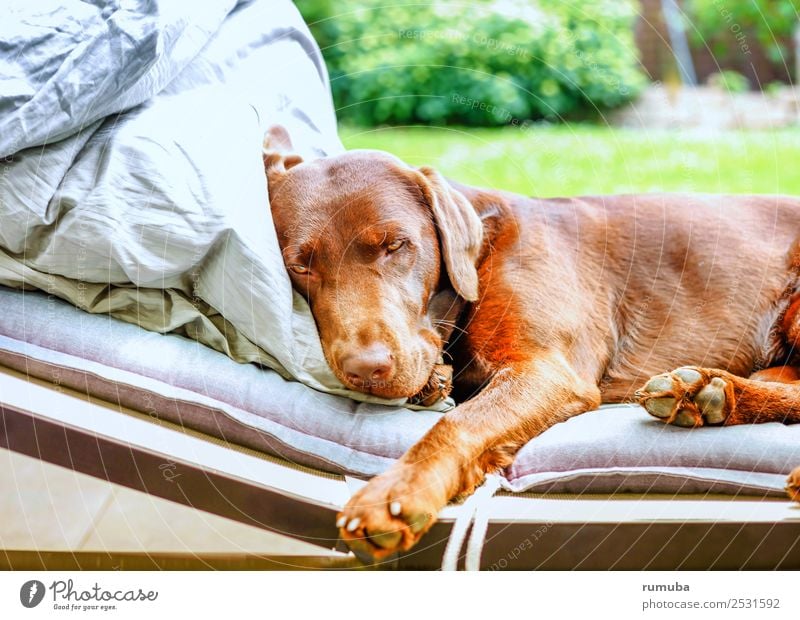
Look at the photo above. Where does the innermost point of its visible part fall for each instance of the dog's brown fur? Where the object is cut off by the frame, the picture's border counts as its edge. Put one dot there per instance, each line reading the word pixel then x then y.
pixel 549 306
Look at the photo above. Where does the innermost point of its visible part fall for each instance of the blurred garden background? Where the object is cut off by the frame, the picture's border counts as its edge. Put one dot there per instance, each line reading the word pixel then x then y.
pixel 563 97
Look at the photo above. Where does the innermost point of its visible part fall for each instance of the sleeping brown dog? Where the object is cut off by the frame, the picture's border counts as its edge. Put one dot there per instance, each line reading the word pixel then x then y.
pixel 545 307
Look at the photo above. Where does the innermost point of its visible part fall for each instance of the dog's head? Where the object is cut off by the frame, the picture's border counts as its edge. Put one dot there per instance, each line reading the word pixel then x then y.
pixel 364 238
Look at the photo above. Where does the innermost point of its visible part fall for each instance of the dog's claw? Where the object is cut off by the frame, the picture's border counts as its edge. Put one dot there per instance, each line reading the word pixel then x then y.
pixel 395 509
pixel 353 525
pixel 341 521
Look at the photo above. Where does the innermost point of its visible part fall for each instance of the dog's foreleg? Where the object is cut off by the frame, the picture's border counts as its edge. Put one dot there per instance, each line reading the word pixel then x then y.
pixel 481 435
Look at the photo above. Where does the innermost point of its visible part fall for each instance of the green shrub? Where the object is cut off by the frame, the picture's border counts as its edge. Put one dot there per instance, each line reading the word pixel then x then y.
pixel 735 27
pixel 729 81
pixel 774 88
pixel 477 63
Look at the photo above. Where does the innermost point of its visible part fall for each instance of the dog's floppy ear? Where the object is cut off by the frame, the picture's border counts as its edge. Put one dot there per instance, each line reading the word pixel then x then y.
pixel 277 151
pixel 460 231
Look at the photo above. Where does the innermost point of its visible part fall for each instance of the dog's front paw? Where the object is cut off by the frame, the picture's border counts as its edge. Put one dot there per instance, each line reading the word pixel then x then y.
pixel 439 386
pixel 391 513
pixel 688 396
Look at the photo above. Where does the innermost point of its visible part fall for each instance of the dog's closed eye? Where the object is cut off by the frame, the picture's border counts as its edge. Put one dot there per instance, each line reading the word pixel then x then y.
pixel 395 245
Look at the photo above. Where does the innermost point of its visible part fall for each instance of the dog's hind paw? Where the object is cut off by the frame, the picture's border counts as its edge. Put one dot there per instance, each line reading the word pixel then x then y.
pixel 688 396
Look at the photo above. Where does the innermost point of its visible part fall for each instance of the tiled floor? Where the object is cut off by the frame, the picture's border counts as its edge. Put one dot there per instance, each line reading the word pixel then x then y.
pixel 49 508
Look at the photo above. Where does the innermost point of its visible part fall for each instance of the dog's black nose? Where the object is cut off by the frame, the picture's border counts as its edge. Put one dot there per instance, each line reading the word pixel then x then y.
pixel 373 364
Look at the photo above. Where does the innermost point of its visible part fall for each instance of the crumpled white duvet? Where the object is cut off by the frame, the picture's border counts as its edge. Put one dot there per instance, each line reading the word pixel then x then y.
pixel 132 180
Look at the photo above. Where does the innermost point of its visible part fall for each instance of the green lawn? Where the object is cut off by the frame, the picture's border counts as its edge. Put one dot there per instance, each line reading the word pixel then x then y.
pixel 581 159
